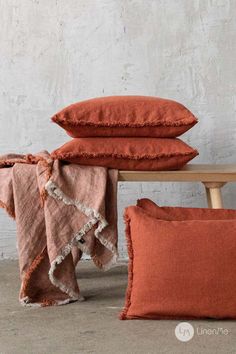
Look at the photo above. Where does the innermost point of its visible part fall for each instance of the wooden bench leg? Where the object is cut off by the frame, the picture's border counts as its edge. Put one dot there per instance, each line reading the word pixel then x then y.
pixel 208 195
pixel 213 193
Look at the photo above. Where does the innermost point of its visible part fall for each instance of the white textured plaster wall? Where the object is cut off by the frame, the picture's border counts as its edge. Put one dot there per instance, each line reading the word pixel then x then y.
pixel 56 52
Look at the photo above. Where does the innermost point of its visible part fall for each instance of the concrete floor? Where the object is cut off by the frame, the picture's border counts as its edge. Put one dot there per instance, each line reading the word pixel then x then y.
pixel 93 326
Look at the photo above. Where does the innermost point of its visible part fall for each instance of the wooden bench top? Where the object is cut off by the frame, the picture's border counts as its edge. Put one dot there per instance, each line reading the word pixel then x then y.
pixel 189 173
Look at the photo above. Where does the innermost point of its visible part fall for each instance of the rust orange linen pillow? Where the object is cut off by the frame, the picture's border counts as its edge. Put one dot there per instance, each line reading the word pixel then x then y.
pixel 127 154
pixel 180 269
pixel 181 213
pixel 125 116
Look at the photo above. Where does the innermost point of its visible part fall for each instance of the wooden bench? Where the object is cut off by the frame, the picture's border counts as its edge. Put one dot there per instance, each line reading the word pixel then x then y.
pixel 214 177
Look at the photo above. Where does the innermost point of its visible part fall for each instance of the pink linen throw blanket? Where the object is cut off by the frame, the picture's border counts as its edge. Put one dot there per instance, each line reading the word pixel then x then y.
pixel 61 210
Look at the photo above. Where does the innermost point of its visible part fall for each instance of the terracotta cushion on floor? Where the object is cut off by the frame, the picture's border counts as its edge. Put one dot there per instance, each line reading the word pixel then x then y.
pixel 125 116
pixel 127 153
pixel 181 213
pixel 180 269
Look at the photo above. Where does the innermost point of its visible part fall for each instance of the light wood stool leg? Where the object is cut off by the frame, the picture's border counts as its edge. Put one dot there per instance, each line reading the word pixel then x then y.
pixel 208 197
pixel 213 193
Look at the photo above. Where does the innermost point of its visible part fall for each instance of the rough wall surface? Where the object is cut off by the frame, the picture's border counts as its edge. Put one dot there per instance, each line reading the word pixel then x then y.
pixel 53 53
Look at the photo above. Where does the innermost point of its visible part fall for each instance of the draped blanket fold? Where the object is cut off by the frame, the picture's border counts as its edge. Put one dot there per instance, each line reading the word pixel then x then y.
pixel 61 210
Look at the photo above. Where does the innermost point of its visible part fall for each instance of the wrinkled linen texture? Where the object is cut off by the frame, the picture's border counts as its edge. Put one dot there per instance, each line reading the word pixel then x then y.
pixel 61 210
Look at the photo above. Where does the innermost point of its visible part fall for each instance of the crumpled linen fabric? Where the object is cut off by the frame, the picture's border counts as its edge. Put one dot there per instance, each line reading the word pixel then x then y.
pixel 61 210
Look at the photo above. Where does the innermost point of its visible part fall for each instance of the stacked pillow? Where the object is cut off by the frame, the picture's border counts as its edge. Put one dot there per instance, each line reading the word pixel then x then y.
pixel 126 132
pixel 182 262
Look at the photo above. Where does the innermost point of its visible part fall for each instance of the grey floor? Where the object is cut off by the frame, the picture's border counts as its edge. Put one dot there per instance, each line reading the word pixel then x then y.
pixel 93 326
